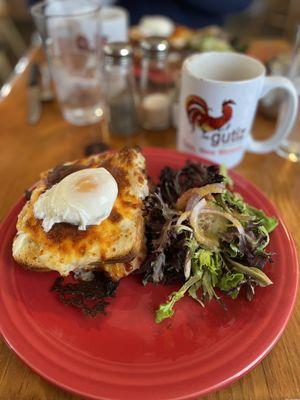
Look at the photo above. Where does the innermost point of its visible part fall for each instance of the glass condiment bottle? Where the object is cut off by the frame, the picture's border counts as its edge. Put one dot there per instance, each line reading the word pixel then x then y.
pixel 154 88
pixel 120 88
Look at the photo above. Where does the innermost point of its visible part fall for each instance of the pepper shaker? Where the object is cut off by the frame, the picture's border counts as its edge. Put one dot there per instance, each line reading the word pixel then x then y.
pixel 120 88
pixel 154 88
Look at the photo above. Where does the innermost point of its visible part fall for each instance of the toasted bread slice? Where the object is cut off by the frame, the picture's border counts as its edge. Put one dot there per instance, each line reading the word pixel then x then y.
pixel 117 271
pixel 117 240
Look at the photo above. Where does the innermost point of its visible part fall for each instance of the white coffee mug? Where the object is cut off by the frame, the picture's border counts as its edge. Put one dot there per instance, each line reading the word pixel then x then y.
pixel 218 100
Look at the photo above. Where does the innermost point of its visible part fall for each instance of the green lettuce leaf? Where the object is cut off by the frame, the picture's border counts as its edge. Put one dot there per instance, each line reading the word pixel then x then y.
pixel 231 201
pixel 206 260
pixel 230 280
pixel 206 268
pixel 269 223
pixel 227 179
pixel 234 202
pixel 165 310
pixel 232 250
pixel 257 274
pixel 193 292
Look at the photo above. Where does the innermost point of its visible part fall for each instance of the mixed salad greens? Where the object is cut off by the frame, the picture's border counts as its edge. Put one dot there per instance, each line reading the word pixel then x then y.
pixel 203 235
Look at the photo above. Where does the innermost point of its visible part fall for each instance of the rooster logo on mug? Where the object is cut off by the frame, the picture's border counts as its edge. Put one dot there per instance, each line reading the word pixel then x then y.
pixel 198 114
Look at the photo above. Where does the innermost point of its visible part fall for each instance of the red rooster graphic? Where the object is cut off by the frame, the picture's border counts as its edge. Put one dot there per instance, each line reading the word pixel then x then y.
pixel 198 114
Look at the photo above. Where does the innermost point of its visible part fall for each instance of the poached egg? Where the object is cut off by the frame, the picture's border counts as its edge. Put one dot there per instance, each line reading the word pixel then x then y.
pixel 82 198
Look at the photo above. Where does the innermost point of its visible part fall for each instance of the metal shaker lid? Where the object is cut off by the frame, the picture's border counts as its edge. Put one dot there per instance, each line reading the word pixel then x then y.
pixel 155 45
pixel 118 49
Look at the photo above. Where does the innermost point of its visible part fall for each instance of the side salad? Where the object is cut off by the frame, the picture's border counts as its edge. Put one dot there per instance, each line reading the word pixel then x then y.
pixel 205 236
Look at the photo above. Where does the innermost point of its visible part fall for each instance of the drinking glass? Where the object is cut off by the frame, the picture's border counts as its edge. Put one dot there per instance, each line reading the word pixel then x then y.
pixel 290 147
pixel 70 31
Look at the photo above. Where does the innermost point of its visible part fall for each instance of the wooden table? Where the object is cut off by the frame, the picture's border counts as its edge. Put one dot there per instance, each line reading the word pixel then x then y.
pixel 26 150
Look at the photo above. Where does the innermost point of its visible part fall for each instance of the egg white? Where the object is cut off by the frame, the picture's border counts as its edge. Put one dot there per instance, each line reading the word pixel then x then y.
pixel 83 198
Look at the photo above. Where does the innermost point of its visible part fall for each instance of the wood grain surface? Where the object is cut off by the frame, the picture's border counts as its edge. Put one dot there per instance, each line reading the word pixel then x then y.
pixel 26 150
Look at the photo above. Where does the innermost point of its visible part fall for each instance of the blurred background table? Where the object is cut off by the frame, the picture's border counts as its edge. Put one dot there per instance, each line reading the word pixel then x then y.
pixel 26 150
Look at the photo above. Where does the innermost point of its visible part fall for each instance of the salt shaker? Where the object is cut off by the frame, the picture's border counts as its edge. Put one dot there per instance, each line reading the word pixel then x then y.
pixel 155 98
pixel 120 88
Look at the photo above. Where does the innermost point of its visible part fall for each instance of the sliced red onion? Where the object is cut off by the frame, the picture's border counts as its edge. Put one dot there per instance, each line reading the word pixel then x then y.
pixel 200 209
pixel 183 217
pixel 181 203
pixel 194 218
pixel 187 268
pixel 226 215
pixel 193 200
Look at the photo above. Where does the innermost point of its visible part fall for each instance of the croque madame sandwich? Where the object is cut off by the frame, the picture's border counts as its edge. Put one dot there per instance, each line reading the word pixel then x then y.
pixel 86 215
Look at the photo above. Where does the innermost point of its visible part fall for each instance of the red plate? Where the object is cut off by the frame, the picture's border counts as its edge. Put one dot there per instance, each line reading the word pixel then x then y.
pixel 125 355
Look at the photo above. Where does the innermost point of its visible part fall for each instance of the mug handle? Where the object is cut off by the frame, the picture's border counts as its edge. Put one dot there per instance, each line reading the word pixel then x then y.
pixel 287 119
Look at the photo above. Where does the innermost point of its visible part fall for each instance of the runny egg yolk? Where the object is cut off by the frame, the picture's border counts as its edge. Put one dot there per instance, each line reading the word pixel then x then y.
pixel 83 198
pixel 85 185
